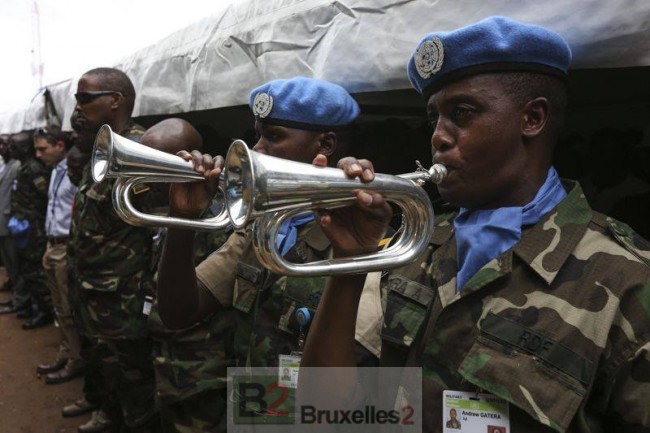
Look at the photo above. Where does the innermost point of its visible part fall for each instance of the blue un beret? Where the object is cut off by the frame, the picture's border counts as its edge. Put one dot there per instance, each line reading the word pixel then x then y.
pixel 303 103
pixel 495 44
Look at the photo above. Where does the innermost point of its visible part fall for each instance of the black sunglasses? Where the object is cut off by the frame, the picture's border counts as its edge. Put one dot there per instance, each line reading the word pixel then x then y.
pixel 56 135
pixel 86 97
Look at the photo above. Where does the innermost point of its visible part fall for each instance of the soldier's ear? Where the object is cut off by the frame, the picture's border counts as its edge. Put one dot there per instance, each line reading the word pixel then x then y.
pixel 117 101
pixel 328 142
pixel 534 117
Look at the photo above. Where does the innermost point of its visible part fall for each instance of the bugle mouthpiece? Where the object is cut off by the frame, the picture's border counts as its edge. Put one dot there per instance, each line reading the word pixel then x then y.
pixel 438 173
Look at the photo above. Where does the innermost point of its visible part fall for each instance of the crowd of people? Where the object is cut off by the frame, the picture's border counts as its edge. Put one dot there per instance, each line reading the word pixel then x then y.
pixel 524 292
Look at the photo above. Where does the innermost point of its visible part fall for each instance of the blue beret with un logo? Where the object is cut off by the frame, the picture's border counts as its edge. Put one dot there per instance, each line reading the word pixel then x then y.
pixel 303 103
pixel 495 44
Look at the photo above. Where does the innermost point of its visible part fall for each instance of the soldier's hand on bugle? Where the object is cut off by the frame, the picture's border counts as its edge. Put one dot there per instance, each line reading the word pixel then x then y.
pixel 190 199
pixel 359 228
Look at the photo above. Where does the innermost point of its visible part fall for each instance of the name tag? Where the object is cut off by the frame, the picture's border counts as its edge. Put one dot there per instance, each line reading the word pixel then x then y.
pixel 288 370
pixel 472 412
pixel 146 308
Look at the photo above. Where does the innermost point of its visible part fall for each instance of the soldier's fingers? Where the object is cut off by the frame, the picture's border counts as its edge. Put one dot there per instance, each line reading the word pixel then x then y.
pixel 197 159
pixel 361 168
pixel 350 165
pixel 368 170
pixel 320 160
pixel 217 167
pixel 218 161
pixel 184 154
pixel 206 162
pixel 372 201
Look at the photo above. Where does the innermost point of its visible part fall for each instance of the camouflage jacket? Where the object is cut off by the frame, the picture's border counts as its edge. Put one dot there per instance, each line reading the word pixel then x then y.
pixel 559 325
pixel 29 198
pixel 110 259
pixel 265 302
pixel 193 359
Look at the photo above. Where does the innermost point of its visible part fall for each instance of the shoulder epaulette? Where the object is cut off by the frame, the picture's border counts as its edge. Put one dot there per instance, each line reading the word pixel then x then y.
pixel 626 236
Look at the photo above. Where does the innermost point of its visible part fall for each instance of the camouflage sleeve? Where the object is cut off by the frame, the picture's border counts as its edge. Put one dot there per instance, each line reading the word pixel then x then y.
pixel 627 358
pixel 29 199
pixel 217 273
pixel 631 392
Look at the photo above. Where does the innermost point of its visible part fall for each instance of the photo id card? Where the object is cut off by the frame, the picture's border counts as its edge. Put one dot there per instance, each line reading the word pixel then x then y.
pixel 471 412
pixel 288 370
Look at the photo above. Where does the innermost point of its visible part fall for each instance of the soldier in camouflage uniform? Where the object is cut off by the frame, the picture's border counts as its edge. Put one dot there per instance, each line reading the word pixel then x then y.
pixel 296 119
pixel 190 364
pixel 553 316
pixel 20 301
pixel 29 203
pixel 111 263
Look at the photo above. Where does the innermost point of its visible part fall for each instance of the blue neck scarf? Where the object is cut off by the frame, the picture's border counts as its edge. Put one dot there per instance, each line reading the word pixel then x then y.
pixel 288 233
pixel 482 235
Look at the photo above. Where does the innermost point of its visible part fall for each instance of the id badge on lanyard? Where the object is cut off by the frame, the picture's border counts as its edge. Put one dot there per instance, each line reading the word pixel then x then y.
pixel 288 365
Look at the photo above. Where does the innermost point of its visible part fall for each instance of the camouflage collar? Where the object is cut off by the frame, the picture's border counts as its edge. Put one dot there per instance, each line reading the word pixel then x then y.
pixel 547 245
pixel 132 131
pixel 444 228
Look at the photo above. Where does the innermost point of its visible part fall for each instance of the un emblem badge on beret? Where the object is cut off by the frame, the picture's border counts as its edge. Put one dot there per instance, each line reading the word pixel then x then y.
pixel 429 57
pixel 262 105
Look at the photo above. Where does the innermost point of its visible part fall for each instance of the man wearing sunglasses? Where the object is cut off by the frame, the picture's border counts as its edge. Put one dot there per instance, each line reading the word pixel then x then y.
pixel 111 264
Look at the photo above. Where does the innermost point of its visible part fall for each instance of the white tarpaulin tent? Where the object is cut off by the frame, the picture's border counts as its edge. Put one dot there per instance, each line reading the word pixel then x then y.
pixel 362 45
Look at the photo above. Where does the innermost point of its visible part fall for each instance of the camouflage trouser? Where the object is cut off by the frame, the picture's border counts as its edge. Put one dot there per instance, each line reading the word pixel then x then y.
pixel 30 268
pixel 119 370
pixel 201 412
pixel 92 353
pixel 10 260
pixel 96 389
pixel 128 371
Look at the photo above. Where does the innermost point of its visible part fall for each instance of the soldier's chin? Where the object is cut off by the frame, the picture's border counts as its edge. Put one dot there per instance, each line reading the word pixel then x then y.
pixel 448 195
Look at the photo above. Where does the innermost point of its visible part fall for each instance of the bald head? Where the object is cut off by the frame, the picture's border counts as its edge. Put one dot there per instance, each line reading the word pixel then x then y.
pixel 21 145
pixel 172 136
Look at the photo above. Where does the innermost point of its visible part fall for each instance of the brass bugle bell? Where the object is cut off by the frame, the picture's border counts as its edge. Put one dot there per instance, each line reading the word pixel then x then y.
pixel 132 163
pixel 272 190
